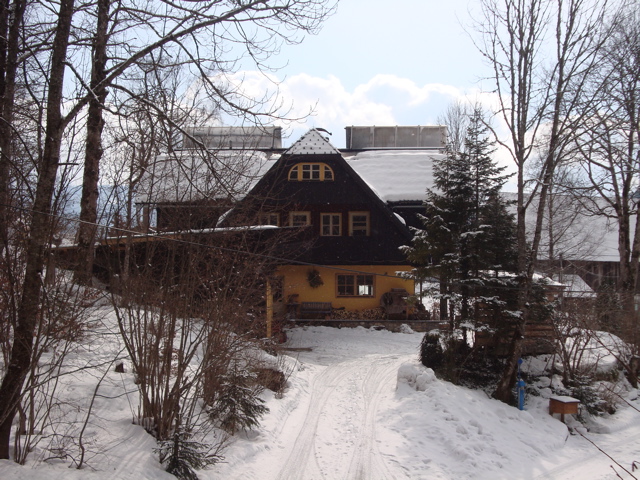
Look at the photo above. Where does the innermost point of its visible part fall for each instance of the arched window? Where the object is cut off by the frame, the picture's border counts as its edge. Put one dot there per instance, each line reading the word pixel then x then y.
pixel 311 172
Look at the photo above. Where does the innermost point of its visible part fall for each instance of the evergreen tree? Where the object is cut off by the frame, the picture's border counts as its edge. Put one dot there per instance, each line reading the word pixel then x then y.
pixel 467 228
pixel 182 455
pixel 238 405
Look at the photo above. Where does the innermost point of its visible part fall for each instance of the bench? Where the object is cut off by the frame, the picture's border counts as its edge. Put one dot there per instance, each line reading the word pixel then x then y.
pixel 315 309
pixel 563 404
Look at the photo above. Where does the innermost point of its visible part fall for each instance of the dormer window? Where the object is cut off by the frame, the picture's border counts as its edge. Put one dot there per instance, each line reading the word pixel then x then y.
pixel 310 172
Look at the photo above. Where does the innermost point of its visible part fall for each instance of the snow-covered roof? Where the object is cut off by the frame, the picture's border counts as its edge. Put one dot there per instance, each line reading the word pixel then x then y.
pixel 578 234
pixel 312 143
pixel 191 175
pixel 396 175
pixel 576 287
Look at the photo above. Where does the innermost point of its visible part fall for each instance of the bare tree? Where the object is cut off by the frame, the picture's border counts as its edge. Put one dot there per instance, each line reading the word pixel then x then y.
pixel 55 73
pixel 93 142
pixel 203 35
pixel 39 233
pixel 456 119
pixel 608 149
pixel 541 52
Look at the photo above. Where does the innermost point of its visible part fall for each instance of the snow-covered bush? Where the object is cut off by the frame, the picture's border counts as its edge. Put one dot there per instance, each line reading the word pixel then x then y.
pixel 415 376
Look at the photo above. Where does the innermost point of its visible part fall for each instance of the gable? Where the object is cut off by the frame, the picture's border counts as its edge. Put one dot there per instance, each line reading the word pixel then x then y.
pixel 367 231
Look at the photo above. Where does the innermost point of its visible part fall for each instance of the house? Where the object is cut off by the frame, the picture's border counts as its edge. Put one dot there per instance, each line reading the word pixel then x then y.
pixel 347 254
pixel 337 218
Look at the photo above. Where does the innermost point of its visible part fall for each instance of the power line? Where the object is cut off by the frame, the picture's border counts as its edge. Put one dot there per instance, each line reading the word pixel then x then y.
pixel 168 236
pixel 605 453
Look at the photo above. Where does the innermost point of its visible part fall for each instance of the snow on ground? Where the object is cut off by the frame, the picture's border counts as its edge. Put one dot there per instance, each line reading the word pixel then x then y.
pixel 359 406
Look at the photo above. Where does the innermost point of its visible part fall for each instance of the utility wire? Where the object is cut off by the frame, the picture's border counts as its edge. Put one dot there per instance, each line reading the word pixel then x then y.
pixel 605 453
pixel 169 236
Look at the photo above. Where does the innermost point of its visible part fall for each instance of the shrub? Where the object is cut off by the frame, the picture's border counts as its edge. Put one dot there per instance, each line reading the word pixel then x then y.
pixel 237 405
pixel 431 354
pixel 182 454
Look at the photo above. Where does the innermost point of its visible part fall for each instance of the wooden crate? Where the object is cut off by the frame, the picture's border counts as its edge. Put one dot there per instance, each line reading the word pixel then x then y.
pixel 563 404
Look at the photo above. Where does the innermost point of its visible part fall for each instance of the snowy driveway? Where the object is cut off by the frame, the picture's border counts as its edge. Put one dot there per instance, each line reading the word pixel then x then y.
pixel 345 417
pixel 337 438
pixel 325 427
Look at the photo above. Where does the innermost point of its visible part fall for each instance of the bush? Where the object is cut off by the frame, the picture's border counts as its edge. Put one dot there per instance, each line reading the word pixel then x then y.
pixel 431 353
pixel 181 455
pixel 458 362
pixel 237 405
pixel 271 378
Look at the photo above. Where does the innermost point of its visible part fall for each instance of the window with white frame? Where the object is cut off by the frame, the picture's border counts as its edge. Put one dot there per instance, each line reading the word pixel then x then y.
pixel 299 219
pixel 330 224
pixel 359 224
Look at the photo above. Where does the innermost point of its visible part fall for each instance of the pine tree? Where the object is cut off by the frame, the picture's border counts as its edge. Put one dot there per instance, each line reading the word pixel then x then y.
pixel 182 455
pixel 467 228
pixel 237 405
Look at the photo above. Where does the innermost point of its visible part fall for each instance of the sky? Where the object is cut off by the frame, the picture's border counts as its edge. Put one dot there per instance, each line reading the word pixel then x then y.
pixel 377 62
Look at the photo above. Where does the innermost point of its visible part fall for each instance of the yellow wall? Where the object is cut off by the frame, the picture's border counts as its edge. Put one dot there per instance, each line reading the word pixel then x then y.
pixel 295 282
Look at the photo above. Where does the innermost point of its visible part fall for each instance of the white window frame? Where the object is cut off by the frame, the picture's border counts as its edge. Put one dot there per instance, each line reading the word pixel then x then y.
pixel 331 226
pixel 355 230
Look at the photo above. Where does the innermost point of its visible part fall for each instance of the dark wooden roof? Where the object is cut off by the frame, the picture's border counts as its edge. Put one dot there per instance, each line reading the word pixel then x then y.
pixel 347 192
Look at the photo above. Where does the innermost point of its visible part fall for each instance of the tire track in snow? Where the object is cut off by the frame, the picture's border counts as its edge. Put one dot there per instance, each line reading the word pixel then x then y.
pixel 354 387
pixel 367 463
pixel 302 463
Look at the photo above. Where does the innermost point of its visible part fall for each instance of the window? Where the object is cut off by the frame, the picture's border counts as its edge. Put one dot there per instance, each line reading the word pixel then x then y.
pixel 331 224
pixel 310 172
pixel 355 285
pixel 359 224
pixel 299 219
pixel 269 219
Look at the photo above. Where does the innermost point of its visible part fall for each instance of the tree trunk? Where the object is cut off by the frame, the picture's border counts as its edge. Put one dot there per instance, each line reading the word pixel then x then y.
pixel 444 304
pixel 40 232
pixel 9 47
pixel 93 149
pixel 504 389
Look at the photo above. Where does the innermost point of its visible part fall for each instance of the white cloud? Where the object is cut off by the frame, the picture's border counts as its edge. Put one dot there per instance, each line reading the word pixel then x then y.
pixel 325 102
pixel 310 101
pixel 383 100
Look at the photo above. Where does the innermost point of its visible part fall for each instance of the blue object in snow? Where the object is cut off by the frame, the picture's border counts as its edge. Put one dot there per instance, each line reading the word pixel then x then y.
pixel 521 386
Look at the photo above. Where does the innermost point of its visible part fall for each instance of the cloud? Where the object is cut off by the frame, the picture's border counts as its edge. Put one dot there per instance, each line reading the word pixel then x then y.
pixel 326 102
pixel 309 101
